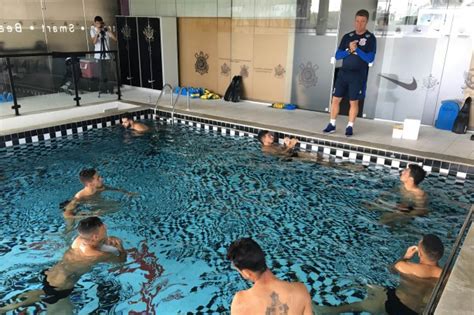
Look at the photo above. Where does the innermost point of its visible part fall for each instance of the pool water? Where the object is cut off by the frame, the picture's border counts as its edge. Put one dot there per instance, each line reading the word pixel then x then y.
pixel 197 192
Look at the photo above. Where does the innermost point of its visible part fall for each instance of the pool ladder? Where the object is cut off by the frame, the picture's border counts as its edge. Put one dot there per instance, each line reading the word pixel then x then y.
pixel 172 103
pixel 163 91
pixel 176 101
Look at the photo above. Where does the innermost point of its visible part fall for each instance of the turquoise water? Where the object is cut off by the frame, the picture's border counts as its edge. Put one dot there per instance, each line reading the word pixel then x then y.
pixel 198 191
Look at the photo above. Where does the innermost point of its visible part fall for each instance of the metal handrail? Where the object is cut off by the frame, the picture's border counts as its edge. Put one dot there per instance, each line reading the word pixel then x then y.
pixel 443 279
pixel 176 101
pixel 163 90
pixel 57 54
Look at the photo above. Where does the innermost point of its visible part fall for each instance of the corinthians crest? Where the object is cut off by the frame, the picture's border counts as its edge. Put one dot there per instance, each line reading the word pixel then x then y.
pixel 244 71
pixel 201 66
pixel 469 79
pixel 430 82
pixel 279 71
pixel 225 69
pixel 307 76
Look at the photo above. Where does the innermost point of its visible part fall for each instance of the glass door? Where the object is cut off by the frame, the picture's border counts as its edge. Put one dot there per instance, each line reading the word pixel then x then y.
pixel 316 40
pixel 412 42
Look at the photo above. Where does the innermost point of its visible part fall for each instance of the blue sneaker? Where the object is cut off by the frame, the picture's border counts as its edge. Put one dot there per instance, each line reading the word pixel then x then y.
pixel 349 131
pixel 330 128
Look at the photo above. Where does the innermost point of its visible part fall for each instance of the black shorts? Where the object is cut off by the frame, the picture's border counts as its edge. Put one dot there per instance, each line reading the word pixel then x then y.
pixel 51 294
pixel 350 84
pixel 393 305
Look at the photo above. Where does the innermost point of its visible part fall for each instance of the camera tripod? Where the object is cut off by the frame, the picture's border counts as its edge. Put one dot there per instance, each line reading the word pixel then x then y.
pixel 102 62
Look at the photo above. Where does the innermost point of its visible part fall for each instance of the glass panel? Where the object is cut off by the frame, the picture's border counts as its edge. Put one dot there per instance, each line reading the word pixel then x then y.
pixel 21 27
pixel 6 96
pixel 45 82
pixel 457 66
pixel 38 83
pixel 316 40
pixel 412 42
pixel 65 29
pixel 97 79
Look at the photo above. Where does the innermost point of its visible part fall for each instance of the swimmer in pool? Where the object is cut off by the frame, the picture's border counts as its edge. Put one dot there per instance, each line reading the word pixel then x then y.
pixel 91 247
pixel 268 295
pixel 129 123
pixel 93 186
pixel 289 150
pixel 417 281
pixel 414 201
pixel 414 198
pixel 266 138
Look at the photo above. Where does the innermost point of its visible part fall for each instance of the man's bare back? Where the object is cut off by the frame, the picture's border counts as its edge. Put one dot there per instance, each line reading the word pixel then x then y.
pixel 268 295
pixel 274 297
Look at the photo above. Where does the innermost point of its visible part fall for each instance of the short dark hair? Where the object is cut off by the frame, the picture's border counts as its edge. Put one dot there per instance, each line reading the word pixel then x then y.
pixel 89 225
pixel 98 18
pixel 417 173
pixel 86 175
pixel 261 134
pixel 127 116
pixel 245 253
pixel 363 13
pixel 433 247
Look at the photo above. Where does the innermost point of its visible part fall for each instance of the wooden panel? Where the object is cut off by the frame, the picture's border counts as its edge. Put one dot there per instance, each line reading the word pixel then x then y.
pixel 198 58
pixel 258 50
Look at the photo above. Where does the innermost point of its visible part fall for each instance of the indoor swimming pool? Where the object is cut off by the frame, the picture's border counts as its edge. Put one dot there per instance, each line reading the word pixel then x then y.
pixel 197 191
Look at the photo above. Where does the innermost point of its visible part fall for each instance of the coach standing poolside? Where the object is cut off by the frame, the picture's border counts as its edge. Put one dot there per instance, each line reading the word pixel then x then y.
pixel 357 49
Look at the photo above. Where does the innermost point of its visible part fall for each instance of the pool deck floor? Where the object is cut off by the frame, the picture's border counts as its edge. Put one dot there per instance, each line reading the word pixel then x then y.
pixel 458 294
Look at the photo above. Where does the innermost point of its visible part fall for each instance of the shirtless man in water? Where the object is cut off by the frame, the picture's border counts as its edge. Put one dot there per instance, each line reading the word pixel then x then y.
pixel 268 295
pixel 129 123
pixel 289 150
pixel 413 198
pixel 267 139
pixel 417 281
pixel 93 186
pixel 91 247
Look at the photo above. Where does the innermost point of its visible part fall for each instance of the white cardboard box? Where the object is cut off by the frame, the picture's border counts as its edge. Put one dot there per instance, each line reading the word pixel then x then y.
pixel 411 128
pixel 397 132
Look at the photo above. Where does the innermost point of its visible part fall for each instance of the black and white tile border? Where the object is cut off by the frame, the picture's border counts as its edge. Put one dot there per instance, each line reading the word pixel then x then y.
pixel 37 135
pixel 338 150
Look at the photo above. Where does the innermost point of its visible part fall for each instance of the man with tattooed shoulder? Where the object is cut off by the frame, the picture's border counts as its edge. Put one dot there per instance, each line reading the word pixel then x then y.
pixel 268 295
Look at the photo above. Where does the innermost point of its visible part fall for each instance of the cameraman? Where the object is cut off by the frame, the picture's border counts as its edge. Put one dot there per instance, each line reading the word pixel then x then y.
pixel 100 35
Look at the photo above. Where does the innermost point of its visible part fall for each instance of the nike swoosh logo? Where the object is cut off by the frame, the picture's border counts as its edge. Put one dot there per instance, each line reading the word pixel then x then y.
pixel 409 86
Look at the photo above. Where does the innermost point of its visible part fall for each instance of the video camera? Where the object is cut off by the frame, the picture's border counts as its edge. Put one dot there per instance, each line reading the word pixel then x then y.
pixel 103 30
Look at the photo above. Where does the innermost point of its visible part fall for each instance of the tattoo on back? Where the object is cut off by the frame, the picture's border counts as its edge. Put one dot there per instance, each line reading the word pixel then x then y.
pixel 277 307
